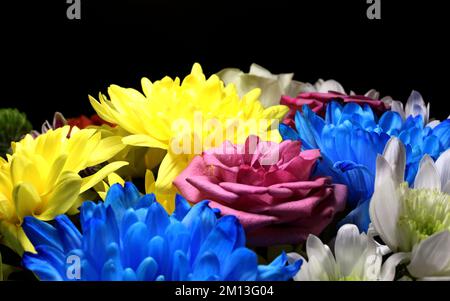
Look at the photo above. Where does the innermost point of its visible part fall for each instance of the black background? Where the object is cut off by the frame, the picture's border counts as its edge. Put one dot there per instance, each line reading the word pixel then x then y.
pixel 50 63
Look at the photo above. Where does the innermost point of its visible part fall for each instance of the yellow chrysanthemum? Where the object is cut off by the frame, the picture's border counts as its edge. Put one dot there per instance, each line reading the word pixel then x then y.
pixel 42 177
pixel 185 119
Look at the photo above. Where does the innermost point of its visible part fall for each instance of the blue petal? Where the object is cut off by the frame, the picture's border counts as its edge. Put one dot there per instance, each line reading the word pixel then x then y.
pixel 129 218
pixel 112 269
pixel 390 121
pixel 43 270
pixel 132 195
pixel 129 275
pixel 202 210
pixel 333 113
pixel 179 237
pixel 157 219
pixel 182 208
pixel 350 109
pixel 181 267
pixel 329 148
pixel 88 271
pixel 52 256
pixel 147 270
pixel 158 249
pixel 116 198
pixel 134 245
pixel 41 233
pixel 364 151
pixel 358 216
pixel 431 146
pixel 242 265
pixel 86 213
pixel 279 270
pixel 207 265
pixel 305 129
pixel 222 239
pixel 442 131
pixel 342 141
pixel 359 179
pixel 96 237
pixel 287 133
pixel 69 234
pixel 146 201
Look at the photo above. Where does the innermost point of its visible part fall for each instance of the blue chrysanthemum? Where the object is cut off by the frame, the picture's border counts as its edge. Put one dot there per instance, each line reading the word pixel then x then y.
pixel 349 139
pixel 131 237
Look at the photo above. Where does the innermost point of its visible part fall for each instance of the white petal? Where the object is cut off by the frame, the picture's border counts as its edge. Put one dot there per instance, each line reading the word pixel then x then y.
pixel 320 257
pixel 427 177
pixel 443 167
pixel 433 124
pixel 372 267
pixel 371 234
pixel 372 93
pixel 260 71
pixel 415 105
pixel 284 81
pixel 388 100
pixel 446 187
pixel 432 256
pixel 397 106
pixel 438 278
pixel 293 257
pixel 330 85
pixel 388 269
pixel 385 204
pixel 395 154
pixel 297 87
pixel 270 89
pixel 349 247
pixel 230 75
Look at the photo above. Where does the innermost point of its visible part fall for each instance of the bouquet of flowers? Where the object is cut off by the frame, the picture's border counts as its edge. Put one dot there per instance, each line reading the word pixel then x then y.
pixel 239 176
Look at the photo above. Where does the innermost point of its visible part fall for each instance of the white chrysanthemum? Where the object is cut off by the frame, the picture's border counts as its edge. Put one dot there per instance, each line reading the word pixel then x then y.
pixel 357 258
pixel 415 106
pixel 414 222
pixel 272 86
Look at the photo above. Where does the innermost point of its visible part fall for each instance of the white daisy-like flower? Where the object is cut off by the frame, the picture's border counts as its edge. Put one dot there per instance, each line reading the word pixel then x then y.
pixel 357 257
pixel 414 222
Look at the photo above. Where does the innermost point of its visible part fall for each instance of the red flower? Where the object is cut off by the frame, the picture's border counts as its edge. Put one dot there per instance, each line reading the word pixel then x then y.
pixel 82 121
pixel 318 101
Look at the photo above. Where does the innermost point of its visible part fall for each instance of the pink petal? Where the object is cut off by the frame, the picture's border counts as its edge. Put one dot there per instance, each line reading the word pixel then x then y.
pixel 211 190
pixel 248 220
pixel 242 188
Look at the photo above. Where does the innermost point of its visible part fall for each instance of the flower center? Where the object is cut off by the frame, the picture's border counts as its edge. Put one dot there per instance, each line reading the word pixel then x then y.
pixel 350 278
pixel 425 212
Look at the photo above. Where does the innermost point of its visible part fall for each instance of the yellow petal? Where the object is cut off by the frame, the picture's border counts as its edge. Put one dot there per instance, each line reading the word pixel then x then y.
pixel 90 181
pixel 26 200
pixel 9 236
pixel 62 197
pixel 24 241
pixel 144 140
pixel 170 168
pixel 55 171
pixel 106 149
pixel 114 178
pixel 149 182
pixel 154 157
pixel 275 112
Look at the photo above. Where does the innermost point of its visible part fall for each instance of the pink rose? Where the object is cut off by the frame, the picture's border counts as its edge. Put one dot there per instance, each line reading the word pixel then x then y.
pixel 267 186
pixel 318 101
